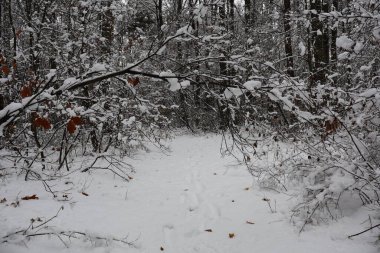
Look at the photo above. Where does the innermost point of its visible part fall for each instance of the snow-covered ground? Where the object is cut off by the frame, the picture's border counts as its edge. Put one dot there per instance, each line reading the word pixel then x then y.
pixel 189 200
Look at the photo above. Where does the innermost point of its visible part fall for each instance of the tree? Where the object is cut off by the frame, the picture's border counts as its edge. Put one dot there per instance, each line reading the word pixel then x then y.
pixel 288 38
pixel 320 41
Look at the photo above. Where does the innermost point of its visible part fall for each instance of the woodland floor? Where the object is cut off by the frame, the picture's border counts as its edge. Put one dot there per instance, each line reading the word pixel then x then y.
pixel 188 200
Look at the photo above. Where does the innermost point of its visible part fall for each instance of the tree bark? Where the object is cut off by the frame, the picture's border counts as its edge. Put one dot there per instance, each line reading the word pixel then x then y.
pixel 108 21
pixel 160 19
pixel 5 29
pixel 247 14
pixel 320 42
pixel 334 35
pixel 288 39
pixel 232 15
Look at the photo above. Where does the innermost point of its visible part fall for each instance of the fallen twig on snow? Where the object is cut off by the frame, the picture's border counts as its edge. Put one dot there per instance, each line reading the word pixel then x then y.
pixel 366 230
pixel 42 230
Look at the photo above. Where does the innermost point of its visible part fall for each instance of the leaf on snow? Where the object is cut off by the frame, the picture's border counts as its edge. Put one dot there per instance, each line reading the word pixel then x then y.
pixel 31 197
pixel 133 81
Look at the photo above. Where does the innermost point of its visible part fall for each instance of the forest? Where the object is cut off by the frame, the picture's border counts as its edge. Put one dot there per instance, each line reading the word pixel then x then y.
pixel 288 91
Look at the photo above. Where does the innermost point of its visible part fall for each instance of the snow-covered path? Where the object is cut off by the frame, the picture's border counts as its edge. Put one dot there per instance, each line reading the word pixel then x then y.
pixel 190 200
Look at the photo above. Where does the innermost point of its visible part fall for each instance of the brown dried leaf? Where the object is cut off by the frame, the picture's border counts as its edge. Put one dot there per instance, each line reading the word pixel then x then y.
pixel 31 197
pixel 331 126
pixel 250 222
pixel 42 122
pixel 26 91
pixel 18 33
pixel 208 230
pixel 5 69
pixel 133 81
pixel 231 235
pixel 77 120
pixel 85 194
pixel 71 127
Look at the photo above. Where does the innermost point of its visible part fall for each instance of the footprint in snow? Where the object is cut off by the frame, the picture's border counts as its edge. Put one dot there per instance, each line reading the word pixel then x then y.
pixel 169 238
pixel 193 200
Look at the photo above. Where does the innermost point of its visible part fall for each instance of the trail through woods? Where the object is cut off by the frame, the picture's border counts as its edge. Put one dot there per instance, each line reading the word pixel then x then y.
pixel 188 200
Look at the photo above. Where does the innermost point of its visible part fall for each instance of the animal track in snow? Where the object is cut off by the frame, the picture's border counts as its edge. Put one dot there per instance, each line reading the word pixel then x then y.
pixel 170 238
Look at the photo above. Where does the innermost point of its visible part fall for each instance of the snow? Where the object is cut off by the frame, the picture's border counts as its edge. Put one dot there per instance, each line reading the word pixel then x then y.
pixel 185 30
pixel 252 85
pixel 98 67
pixel 130 121
pixel 185 83
pixel 52 73
pixel 232 92
pixel 343 56
pixel 10 110
pixel 69 82
pixel 171 201
pixel 376 32
pixel 358 47
pixel 302 48
pixel 173 81
pixel 161 50
pixel 4 80
pixel 345 43
pixel 369 93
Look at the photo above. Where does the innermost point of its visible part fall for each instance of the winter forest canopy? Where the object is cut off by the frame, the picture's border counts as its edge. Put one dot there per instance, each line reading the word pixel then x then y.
pixel 104 78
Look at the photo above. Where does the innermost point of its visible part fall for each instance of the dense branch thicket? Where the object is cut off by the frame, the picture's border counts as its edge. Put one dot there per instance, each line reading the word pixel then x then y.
pixel 94 76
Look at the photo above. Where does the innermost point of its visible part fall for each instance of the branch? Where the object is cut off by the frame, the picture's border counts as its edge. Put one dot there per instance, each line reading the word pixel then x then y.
pixel 378 225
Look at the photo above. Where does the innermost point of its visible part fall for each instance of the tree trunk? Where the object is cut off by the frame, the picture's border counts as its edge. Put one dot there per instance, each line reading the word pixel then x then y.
pixel 178 9
pixel 247 14
pixel 232 15
pixel 334 35
pixel 288 39
pixel 2 97
pixel 107 24
pixel 160 20
pixel 223 110
pixel 5 29
pixel 320 42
